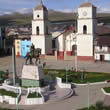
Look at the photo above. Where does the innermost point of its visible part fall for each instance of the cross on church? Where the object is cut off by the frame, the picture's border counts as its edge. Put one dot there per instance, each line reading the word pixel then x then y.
pixel 41 2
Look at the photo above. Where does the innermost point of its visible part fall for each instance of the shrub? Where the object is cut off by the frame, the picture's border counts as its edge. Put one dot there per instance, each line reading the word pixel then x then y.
pixel 34 95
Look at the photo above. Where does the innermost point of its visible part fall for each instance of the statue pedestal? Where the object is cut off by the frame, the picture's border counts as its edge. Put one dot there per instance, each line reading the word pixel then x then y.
pixel 32 76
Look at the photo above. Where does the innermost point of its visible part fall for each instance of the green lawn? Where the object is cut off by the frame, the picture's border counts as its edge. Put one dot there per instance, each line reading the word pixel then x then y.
pixel 8 93
pixel 34 95
pixel 95 108
pixel 107 89
pixel 8 109
pixel 75 77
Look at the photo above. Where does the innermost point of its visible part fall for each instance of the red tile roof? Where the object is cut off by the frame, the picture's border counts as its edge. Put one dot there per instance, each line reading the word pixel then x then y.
pixel 87 4
pixel 103 40
pixel 41 7
pixel 102 30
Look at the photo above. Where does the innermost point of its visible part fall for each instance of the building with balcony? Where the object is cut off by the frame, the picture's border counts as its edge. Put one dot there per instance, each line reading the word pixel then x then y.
pixel 102 48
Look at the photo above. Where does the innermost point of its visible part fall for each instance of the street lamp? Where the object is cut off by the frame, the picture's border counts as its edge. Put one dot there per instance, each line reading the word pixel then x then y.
pixel 88 97
pixel 75 59
pixel 17 107
pixel 36 92
pixel 66 75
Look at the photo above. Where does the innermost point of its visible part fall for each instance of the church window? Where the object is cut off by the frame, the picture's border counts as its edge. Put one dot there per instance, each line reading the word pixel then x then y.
pixel 38 16
pixel 37 30
pixel 84 29
pixel 47 30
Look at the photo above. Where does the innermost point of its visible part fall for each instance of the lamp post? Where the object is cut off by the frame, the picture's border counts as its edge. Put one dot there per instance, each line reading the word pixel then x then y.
pixel 75 59
pixel 17 107
pixel 14 64
pixel 0 75
pixel 66 76
pixel 88 97
pixel 36 92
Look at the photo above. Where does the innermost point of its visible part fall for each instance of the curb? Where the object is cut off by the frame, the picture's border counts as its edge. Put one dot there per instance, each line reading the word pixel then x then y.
pixel 90 83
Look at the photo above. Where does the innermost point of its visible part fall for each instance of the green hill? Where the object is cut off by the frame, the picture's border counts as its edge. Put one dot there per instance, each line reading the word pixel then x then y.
pixel 17 19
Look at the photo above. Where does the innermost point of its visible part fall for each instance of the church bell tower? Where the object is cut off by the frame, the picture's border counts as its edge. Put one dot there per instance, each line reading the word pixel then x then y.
pixel 41 37
pixel 87 29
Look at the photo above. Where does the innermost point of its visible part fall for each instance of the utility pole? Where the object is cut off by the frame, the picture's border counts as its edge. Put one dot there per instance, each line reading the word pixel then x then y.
pixel 76 68
pixel 14 65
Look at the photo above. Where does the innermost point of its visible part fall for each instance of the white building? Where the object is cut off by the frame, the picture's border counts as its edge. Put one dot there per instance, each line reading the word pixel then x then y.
pixel 102 48
pixel 41 36
pixel 64 42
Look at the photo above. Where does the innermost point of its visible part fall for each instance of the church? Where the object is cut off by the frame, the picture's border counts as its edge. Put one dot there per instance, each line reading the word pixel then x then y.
pixel 68 41
pixel 84 42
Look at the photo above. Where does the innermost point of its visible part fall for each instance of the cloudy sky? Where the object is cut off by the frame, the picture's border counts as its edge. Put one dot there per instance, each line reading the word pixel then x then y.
pixel 24 6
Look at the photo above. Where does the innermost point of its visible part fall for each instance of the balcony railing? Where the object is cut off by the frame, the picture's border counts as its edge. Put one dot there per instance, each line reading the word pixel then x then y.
pixel 102 51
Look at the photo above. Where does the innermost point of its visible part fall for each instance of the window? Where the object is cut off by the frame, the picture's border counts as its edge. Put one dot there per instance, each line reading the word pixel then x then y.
pixel 84 29
pixel 37 30
pixel 101 47
pixel 38 16
pixel 47 30
pixel 17 42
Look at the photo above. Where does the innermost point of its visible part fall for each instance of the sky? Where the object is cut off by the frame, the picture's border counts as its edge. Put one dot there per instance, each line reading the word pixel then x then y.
pixel 25 6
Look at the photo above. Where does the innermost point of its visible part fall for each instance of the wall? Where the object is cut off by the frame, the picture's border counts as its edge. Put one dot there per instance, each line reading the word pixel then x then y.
pixel 62 85
pixel 60 43
pixel 66 57
pixel 106 56
pixel 85 45
pixel 30 83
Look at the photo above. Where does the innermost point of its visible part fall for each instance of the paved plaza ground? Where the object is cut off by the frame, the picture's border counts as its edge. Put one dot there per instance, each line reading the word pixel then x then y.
pixel 76 101
pixel 6 63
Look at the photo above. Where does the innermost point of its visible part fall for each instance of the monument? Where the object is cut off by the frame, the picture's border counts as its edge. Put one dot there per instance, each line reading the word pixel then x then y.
pixel 32 73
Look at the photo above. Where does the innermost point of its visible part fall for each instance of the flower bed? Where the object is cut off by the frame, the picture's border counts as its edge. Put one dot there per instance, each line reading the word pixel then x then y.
pixel 34 98
pixel 3 92
pixel 8 96
pixel 107 89
pixel 78 77
pixel 34 95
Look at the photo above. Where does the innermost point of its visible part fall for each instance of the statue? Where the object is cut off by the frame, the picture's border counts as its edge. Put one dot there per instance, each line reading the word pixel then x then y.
pixel 34 53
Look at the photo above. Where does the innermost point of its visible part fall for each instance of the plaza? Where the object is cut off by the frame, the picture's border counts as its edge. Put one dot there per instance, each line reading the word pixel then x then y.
pixel 79 100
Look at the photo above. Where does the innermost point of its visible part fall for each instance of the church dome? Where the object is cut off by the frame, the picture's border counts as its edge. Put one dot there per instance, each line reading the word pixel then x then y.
pixel 87 4
pixel 41 7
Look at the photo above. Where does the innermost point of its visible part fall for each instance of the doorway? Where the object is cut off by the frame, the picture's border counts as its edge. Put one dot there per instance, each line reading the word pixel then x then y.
pixel 101 57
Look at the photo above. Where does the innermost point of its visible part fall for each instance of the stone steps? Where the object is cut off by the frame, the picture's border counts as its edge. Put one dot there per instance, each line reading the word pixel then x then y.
pixel 59 94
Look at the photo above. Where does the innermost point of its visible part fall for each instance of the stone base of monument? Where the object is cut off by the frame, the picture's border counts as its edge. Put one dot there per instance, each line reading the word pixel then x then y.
pixel 32 76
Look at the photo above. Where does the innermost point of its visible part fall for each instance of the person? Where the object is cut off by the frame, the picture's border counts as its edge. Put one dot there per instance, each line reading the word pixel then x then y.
pixel 44 64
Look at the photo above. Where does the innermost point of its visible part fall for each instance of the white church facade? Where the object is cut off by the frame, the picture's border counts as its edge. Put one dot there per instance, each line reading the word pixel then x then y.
pixel 72 42
pixel 80 43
